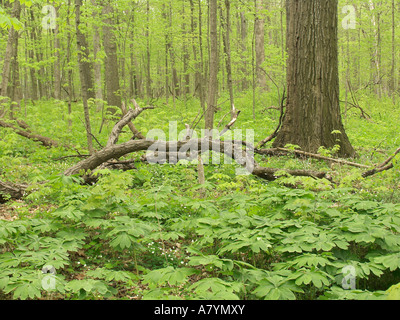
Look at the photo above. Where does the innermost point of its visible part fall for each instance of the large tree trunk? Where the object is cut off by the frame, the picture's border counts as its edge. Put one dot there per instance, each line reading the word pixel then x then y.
pixel 313 112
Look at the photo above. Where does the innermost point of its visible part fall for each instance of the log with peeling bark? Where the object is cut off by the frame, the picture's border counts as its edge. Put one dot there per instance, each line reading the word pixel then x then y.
pixel 233 150
pixel 11 191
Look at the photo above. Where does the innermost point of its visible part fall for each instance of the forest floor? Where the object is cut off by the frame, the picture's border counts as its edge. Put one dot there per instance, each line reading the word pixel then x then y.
pixel 155 233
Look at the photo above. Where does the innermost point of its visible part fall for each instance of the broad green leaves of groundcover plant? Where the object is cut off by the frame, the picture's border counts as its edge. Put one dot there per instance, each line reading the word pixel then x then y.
pixel 276 243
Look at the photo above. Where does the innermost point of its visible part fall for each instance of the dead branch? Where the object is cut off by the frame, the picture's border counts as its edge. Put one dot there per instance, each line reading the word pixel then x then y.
pixel 281 118
pixel 136 133
pixel 384 166
pixel 231 123
pixel 26 133
pixel 270 174
pixel 275 151
pixel 234 151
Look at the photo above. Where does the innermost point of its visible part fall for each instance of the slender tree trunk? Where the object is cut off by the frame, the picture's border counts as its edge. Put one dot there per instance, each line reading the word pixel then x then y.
pixel 111 62
pixel 226 22
pixel 313 115
pixel 83 74
pixel 243 35
pixel 83 52
pixel 392 72
pixel 202 90
pixel 186 56
pixel 37 51
pixel 149 91
pixel 69 72
pixel 57 62
pixel 259 29
pixel 10 53
pixel 98 78
pixel 213 74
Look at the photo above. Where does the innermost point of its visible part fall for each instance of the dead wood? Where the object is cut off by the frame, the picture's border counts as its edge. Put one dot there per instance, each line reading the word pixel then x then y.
pixel 10 190
pixel 24 131
pixel 384 166
pixel 283 151
pixel 281 118
pixel 136 133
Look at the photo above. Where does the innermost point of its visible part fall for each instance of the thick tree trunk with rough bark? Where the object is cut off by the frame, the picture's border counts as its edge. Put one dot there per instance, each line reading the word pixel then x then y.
pixel 313 111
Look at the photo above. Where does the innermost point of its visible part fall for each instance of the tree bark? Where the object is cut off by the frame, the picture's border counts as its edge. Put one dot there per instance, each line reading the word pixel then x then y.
pixel 10 51
pixel 57 63
pixel 83 72
pixel 83 55
pixel 98 83
pixel 226 22
pixel 313 111
pixel 213 77
pixel 111 62
pixel 11 191
pixel 259 29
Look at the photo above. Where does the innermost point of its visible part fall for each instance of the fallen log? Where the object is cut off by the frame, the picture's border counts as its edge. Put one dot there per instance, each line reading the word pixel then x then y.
pixel 24 131
pixel 10 190
pixel 283 151
pixel 159 151
pixel 384 166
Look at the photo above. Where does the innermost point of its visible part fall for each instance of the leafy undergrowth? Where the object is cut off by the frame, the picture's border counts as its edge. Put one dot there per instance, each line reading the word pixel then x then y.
pixel 132 236
pixel 154 233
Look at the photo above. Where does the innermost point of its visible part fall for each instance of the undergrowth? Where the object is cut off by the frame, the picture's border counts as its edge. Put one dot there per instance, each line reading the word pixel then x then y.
pixel 154 233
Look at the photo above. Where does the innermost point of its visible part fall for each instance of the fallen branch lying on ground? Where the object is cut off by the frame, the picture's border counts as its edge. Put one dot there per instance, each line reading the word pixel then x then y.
pixel 282 151
pixel 384 166
pixel 11 191
pixel 24 131
pixel 172 151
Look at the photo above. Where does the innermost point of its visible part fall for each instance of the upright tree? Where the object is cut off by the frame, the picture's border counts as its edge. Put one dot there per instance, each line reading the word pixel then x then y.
pixel 213 73
pixel 82 58
pixel 313 117
pixel 11 51
pixel 259 30
pixel 111 61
